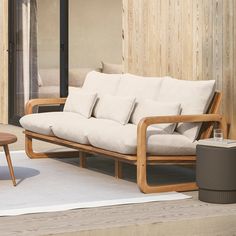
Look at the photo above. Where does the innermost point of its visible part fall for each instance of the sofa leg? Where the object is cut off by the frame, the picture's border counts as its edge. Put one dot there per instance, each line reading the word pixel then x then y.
pixel 118 169
pixel 82 159
pixel 35 155
pixel 146 188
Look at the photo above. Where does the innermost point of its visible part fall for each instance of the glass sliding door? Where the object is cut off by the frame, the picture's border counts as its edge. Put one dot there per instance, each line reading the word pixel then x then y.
pixel 23 59
pixel 50 41
pixel 34 56
pixel 95 36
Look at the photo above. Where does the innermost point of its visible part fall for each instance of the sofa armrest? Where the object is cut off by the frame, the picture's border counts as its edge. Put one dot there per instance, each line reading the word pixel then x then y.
pixel 42 101
pixel 145 122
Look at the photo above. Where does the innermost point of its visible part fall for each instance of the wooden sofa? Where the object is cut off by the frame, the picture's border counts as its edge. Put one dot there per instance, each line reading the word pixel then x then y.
pixel 141 159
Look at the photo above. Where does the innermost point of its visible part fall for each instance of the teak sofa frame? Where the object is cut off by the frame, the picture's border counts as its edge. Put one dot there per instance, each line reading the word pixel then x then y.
pixel 141 160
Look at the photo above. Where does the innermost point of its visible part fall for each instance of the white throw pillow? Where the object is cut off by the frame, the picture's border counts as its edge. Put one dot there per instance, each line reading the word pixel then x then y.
pixel 147 108
pixel 114 108
pixel 80 102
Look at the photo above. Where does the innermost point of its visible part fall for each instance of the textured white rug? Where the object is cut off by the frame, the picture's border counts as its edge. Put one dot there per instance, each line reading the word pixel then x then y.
pixel 47 185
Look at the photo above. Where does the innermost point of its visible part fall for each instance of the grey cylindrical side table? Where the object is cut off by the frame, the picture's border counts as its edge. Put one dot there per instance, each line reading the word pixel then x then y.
pixel 216 174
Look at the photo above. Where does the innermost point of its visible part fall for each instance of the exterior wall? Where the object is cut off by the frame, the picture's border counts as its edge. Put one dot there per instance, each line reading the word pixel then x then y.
pixel 3 61
pixel 95 31
pixel 190 39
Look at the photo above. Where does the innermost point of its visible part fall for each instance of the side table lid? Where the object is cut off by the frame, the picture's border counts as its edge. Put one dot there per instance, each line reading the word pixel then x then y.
pixel 226 143
pixel 6 138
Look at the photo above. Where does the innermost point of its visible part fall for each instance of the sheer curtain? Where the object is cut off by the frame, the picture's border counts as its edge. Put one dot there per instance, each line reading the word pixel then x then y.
pixel 29 50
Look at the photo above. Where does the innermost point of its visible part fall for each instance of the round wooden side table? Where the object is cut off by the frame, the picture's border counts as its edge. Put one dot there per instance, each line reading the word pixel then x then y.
pixel 6 139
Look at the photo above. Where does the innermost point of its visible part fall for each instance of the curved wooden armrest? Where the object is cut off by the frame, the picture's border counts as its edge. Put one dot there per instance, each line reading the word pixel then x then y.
pixel 145 122
pixel 42 101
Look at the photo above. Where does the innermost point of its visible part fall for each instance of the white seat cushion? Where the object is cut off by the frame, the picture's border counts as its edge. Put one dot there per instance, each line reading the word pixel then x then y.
pixel 101 83
pixel 106 134
pixel 42 122
pixel 75 129
pixel 109 135
pixel 194 97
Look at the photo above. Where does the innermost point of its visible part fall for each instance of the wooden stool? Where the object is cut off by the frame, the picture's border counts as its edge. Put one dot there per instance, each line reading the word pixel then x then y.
pixel 6 139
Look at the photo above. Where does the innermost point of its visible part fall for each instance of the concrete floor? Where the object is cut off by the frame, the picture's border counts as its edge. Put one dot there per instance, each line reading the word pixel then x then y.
pixel 186 217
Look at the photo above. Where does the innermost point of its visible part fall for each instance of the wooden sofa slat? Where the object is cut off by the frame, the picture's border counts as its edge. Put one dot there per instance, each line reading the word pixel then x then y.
pixel 171 158
pixel 166 163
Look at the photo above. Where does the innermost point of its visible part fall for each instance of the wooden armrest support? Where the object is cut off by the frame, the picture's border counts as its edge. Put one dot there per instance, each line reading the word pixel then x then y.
pixel 145 122
pixel 42 101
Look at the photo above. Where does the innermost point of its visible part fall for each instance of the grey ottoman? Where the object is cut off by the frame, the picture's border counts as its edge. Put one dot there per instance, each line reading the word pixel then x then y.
pixel 216 174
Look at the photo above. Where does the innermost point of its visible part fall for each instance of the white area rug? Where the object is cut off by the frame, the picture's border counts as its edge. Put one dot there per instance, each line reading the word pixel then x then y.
pixel 49 185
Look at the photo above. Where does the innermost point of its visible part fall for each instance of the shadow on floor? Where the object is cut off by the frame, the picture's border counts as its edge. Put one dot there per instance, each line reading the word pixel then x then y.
pixel 21 173
pixel 159 174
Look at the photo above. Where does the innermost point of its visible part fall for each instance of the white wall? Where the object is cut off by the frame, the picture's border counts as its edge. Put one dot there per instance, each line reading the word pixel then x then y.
pixel 94 33
pixel 48 33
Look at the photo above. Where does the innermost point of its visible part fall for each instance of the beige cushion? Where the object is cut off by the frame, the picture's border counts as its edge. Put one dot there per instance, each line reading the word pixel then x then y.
pixel 75 129
pixel 147 107
pixel 114 108
pixel 42 122
pixel 194 96
pixel 110 68
pixel 106 134
pixel 101 83
pixel 80 102
pixel 139 87
pixel 50 77
pixel 49 92
pixel 112 136
pixel 77 75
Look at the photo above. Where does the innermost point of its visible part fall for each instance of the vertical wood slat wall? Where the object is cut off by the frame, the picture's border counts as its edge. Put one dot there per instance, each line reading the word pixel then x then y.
pixel 186 39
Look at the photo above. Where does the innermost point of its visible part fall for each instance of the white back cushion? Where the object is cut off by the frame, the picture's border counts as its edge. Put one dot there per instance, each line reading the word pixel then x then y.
pixel 101 83
pixel 194 96
pixel 80 102
pixel 147 107
pixel 114 108
pixel 139 87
